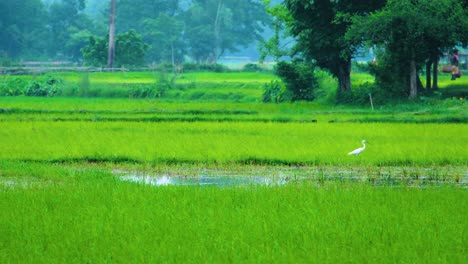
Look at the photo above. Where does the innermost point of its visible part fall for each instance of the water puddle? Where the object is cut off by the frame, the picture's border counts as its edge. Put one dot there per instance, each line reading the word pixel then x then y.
pixel 220 181
pixel 24 182
pixel 284 176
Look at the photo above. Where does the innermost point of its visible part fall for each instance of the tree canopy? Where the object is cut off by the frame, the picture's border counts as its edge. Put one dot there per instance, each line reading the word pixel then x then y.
pixel 408 34
pixel 320 35
pixel 411 33
pixel 175 30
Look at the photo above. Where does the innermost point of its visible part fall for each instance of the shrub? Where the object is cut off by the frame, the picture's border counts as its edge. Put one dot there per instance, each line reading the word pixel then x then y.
pixel 251 67
pixel 205 67
pixel 11 87
pixel 147 91
pixel 274 92
pixel 49 87
pixel 299 79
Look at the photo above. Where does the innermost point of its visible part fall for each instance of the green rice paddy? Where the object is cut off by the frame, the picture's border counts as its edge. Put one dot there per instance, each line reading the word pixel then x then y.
pixel 404 199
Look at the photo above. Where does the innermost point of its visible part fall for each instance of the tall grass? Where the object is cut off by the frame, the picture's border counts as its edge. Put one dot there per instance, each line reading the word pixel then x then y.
pixel 60 203
pixel 237 142
pixel 92 109
pixel 89 216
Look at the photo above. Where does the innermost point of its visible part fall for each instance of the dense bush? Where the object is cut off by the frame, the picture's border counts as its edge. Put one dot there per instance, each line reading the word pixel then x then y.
pixel 252 67
pixel 205 67
pixel 147 91
pixel 299 79
pixel 130 50
pixel 274 92
pixel 45 86
pixel 48 86
pixel 12 87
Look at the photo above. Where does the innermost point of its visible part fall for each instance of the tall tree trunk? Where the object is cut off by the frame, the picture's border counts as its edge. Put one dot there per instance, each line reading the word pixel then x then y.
pixel 428 74
pixel 172 55
pixel 435 74
pixel 413 93
pixel 217 32
pixel 111 51
pixel 344 76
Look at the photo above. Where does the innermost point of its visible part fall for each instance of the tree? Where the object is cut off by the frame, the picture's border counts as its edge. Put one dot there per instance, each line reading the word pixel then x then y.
pixel 130 50
pixel 161 24
pixel 111 51
pixel 165 33
pixel 412 33
pixel 217 26
pixel 76 41
pixel 132 13
pixel 299 79
pixel 22 28
pixel 320 33
pixel 279 44
pixel 65 17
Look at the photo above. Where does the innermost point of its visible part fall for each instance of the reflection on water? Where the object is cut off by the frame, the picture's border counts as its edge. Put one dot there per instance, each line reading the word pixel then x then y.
pixel 220 181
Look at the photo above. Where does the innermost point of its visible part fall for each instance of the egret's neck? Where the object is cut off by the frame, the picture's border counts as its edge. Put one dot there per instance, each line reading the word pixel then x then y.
pixel 363 145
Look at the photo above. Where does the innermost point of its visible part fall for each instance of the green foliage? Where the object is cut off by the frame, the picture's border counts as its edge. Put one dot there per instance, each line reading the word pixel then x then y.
pixel 95 53
pixel 320 33
pixel 69 28
pixel 275 46
pixel 78 39
pixel 165 35
pixel 147 91
pixel 251 67
pixel 23 28
pixel 212 67
pixel 129 50
pixel 47 86
pixel 299 79
pixel 410 31
pixel 274 92
pixel 217 26
pixel 12 86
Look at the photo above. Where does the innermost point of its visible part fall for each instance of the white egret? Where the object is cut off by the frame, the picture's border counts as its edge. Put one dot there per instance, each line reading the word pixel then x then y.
pixel 359 150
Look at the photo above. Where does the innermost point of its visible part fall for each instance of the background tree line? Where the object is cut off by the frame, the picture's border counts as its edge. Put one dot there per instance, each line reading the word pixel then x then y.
pixel 408 36
pixel 165 30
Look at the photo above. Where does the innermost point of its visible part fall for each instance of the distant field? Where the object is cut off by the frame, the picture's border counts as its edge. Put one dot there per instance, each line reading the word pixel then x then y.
pixel 151 77
pixel 190 86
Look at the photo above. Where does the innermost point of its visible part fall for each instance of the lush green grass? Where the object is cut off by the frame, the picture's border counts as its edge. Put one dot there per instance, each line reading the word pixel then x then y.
pixel 89 216
pixel 50 109
pixel 201 86
pixel 65 129
pixel 236 142
pixel 190 86
pixel 61 202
